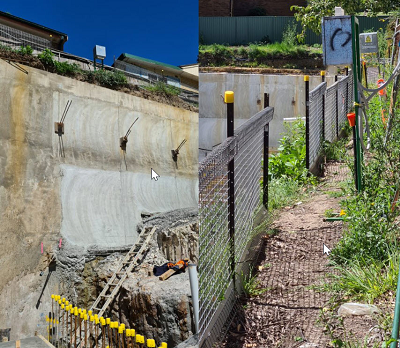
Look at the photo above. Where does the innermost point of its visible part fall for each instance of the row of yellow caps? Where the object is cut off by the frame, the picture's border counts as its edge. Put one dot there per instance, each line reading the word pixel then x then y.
pixel 103 321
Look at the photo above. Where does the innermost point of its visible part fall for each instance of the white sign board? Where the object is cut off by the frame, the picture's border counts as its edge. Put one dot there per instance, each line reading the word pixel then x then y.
pixel 369 43
pixel 337 40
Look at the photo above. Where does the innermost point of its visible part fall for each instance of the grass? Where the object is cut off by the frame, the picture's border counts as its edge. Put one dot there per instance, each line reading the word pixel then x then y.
pixel 363 280
pixel 255 54
pixel 161 87
pixel 251 285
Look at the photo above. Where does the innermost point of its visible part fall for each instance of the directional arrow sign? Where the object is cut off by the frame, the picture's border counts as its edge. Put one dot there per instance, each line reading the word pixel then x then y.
pixel 154 175
pixel 326 250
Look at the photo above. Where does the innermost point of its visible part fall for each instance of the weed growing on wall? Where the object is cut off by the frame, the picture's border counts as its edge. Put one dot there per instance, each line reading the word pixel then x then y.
pixel 161 87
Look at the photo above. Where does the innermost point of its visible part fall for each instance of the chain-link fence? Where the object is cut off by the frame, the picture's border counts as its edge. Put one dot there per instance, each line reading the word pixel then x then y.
pixel 328 108
pixel 223 240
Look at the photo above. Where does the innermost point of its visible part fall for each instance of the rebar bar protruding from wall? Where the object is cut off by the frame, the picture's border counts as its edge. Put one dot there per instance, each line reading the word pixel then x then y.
pixel 194 287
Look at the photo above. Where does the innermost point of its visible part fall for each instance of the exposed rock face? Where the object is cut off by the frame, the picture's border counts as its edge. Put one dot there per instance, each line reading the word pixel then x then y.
pixel 157 309
pixel 160 309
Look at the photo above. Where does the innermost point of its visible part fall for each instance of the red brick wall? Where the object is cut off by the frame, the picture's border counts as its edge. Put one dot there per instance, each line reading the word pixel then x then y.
pixel 214 8
pixel 220 8
pixel 273 8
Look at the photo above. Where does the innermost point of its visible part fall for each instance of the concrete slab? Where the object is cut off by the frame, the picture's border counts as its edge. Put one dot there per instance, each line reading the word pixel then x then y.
pixel 29 342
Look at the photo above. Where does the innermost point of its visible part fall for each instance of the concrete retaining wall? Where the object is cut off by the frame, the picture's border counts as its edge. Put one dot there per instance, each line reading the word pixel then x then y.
pixel 286 96
pixel 93 195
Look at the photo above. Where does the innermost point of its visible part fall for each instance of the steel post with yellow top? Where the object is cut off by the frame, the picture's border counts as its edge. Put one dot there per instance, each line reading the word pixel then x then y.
pixel 140 340
pixel 108 322
pixel 76 313
pixel 85 319
pixel 80 327
pixel 131 333
pixel 307 99
pixel 229 99
pixel 103 331
pixel 51 318
pixel 91 323
pixel 62 320
pixel 151 343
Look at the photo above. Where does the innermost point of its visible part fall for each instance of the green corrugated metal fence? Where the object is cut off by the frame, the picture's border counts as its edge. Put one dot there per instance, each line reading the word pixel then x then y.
pixel 242 30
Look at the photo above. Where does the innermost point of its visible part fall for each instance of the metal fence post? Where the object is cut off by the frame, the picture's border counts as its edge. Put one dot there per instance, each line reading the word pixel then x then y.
pixel 337 108
pixel 266 156
pixel 229 100
pixel 323 107
pixel 307 96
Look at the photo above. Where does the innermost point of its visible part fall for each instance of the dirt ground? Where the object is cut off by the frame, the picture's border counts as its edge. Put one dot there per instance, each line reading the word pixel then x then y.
pixel 290 312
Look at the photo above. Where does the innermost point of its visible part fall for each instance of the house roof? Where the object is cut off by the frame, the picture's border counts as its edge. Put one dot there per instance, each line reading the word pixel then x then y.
pixel 130 58
pixel 5 14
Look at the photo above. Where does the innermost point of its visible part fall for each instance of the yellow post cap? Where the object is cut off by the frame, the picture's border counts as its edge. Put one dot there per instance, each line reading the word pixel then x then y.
pixel 91 318
pixel 63 299
pixel 123 325
pixel 62 306
pixel 306 78
pixel 96 316
pixel 96 320
pixel 322 72
pixel 59 301
pixel 76 311
pixel 120 329
pixel 85 316
pixel 52 295
pixel 108 320
pixel 164 345
pixel 90 312
pixel 139 339
pixel 67 302
pixel 133 332
pixel 151 343
pixel 81 316
pixel 79 310
pixel 229 97
pixel 84 311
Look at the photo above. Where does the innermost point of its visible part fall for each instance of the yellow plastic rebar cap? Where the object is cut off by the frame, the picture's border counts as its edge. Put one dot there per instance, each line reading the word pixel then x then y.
pixel 108 320
pixel 229 97
pixel 151 343
pixel 164 345
pixel 322 72
pixel 306 78
pixel 139 339
pixel 91 318
pixel 85 317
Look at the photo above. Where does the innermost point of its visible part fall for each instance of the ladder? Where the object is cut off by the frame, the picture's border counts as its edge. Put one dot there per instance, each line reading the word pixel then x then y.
pixel 133 258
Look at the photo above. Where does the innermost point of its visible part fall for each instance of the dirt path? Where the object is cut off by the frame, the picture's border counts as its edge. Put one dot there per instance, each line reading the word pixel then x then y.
pixel 286 314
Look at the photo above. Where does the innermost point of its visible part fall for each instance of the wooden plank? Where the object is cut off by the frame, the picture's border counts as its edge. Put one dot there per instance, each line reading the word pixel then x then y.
pixel 170 272
pixel 17 344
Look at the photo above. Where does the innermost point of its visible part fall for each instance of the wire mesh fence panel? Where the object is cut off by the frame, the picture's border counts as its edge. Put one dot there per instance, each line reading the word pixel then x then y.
pixel 16 38
pixel 343 100
pixel 331 112
pixel 217 290
pixel 214 241
pixel 316 122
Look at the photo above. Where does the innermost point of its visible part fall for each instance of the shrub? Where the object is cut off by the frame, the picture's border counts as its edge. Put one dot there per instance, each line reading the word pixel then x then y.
pixel 67 69
pixel 161 87
pixel 46 57
pixel 106 78
pixel 25 50
pixel 290 160
pixel 289 35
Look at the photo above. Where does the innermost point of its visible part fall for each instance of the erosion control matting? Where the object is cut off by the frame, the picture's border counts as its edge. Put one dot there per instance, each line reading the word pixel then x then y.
pixel 286 314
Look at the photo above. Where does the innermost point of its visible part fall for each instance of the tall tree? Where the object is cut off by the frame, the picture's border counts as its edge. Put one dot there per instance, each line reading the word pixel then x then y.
pixel 311 15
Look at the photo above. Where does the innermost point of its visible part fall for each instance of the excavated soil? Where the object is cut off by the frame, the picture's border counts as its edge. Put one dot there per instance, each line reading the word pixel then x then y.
pixel 289 312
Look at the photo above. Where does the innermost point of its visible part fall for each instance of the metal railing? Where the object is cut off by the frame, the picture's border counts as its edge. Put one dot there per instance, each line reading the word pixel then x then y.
pixel 234 167
pixel 326 115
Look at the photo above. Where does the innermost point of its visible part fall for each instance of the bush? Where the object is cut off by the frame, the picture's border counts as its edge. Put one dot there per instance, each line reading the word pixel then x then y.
pixel 26 50
pixel 289 35
pixel 161 87
pixel 67 69
pixel 46 57
pixel 290 161
pixel 105 78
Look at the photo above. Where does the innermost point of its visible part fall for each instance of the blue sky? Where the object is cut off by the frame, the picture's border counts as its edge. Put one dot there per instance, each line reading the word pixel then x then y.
pixel 166 31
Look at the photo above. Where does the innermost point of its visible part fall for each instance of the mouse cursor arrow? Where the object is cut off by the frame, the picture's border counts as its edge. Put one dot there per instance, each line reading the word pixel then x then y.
pixel 326 250
pixel 154 175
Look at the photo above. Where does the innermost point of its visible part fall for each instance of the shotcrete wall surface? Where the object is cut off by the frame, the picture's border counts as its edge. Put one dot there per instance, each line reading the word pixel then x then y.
pixel 96 193
pixel 286 92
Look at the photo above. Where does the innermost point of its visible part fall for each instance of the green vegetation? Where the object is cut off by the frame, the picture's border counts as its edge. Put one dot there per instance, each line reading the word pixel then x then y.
pixel 161 87
pixel 250 284
pixel 105 78
pixel 310 16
